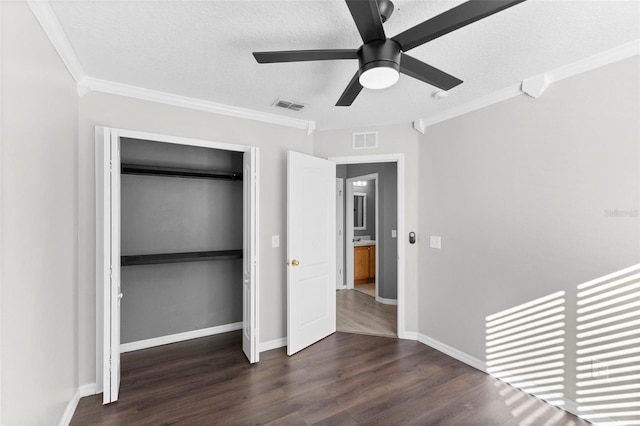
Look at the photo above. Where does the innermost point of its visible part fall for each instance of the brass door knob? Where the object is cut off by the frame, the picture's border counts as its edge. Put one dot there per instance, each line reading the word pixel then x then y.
pixel 294 262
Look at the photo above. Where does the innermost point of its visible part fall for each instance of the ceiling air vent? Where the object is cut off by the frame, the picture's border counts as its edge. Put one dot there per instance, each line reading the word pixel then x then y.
pixel 365 140
pixel 293 106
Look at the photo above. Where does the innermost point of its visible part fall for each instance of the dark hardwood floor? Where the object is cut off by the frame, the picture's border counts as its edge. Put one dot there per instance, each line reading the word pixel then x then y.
pixel 345 379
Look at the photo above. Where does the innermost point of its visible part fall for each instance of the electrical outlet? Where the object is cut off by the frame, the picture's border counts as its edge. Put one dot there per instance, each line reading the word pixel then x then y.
pixel 599 369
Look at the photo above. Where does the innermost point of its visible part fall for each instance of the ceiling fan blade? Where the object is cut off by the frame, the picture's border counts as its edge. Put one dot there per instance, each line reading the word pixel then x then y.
pixel 353 89
pixel 458 17
pixel 305 55
pixel 367 17
pixel 423 72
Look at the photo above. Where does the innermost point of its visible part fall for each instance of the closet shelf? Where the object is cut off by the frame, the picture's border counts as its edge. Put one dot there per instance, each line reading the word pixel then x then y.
pixel 194 256
pixel 142 169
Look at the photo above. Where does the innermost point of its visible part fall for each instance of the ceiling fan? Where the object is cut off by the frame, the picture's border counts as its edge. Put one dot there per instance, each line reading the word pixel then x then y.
pixel 382 59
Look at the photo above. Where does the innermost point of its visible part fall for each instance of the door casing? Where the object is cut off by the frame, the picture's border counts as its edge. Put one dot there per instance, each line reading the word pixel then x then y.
pixel 399 160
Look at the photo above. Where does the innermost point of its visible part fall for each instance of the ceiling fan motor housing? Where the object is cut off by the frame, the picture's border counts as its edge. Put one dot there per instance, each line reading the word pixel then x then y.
pixel 379 53
pixel 380 57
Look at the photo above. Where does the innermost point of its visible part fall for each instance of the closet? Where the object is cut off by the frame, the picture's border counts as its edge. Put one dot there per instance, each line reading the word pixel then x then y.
pixel 181 241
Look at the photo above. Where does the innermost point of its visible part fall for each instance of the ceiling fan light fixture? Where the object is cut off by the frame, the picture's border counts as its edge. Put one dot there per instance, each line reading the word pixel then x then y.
pixel 379 56
pixel 380 76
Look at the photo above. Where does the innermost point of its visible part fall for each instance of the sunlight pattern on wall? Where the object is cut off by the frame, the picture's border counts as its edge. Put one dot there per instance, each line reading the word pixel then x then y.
pixel 525 346
pixel 608 354
pixel 530 411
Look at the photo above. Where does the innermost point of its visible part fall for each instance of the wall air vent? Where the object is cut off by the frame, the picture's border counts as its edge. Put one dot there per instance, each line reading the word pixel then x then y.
pixel 293 106
pixel 365 140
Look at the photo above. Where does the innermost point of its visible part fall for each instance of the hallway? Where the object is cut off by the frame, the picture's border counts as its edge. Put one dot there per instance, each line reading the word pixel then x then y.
pixel 360 313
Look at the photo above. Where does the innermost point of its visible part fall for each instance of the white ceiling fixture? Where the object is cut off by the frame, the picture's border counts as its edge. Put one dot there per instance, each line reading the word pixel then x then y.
pixel 440 94
pixel 200 52
pixel 379 77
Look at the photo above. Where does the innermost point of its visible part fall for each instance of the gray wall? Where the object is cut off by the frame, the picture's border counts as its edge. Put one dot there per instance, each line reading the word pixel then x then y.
pixel 172 215
pixel 519 193
pixel 273 141
pixel 388 219
pixel 38 224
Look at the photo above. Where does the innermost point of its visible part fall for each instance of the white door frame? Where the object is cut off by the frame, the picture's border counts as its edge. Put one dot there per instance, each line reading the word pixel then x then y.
pixel 349 267
pixel 100 229
pixel 340 234
pixel 399 160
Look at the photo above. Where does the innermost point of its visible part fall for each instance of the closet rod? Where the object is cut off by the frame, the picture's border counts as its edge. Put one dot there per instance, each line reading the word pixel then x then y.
pixel 194 256
pixel 143 169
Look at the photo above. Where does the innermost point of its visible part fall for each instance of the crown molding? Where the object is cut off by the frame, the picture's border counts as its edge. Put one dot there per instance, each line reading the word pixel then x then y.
pixel 49 23
pixel 419 125
pixel 104 86
pixel 607 57
pixel 490 99
pixel 47 19
pixel 535 86
pixel 592 62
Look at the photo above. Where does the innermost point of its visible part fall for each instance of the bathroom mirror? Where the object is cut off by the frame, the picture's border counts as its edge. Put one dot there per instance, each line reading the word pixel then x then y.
pixel 359 211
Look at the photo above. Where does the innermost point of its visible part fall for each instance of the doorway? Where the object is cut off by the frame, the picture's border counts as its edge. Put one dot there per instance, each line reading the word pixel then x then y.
pixel 108 254
pixel 379 238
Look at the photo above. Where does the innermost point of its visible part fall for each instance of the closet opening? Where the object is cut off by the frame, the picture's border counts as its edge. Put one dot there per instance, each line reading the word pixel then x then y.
pixel 181 242
pixel 179 221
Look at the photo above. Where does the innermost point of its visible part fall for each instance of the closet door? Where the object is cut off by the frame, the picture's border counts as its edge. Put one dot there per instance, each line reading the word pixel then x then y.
pixel 249 311
pixel 108 256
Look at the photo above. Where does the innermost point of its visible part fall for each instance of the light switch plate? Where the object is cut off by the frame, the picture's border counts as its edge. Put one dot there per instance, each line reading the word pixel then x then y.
pixel 275 241
pixel 394 233
pixel 435 242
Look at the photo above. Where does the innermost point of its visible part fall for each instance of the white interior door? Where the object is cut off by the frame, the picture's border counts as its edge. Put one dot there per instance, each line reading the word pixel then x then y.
pixel 108 237
pixel 249 318
pixel 311 250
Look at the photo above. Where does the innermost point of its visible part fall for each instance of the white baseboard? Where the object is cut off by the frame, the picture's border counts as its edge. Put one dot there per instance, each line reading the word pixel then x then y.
pixel 408 335
pixel 88 390
pixel 70 410
pixel 272 344
pixel 82 391
pixel 572 407
pixel 179 337
pixel 569 405
pixel 387 301
pixel 452 352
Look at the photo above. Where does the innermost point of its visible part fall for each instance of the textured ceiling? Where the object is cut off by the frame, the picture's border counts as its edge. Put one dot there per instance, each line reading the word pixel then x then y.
pixel 202 49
